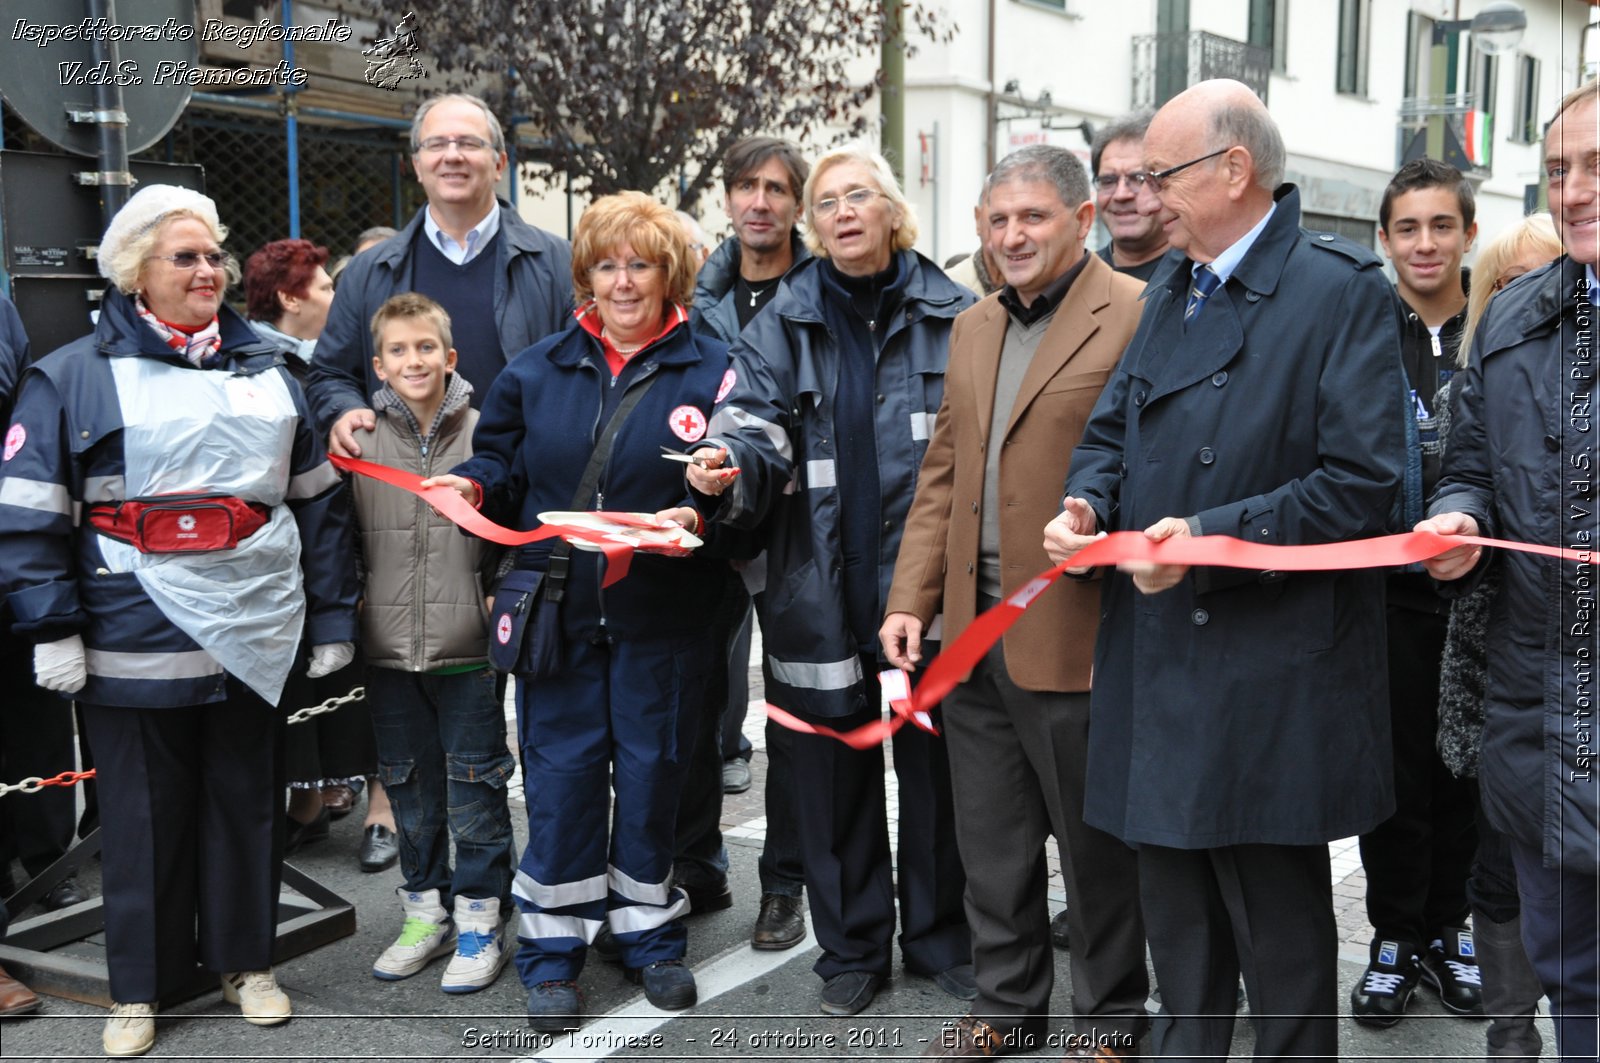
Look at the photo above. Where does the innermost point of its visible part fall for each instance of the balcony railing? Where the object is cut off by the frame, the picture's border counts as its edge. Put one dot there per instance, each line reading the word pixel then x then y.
pixel 1461 135
pixel 1164 64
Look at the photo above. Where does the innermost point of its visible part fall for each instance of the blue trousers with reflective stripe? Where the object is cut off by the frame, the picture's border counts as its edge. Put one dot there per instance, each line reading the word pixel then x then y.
pixel 618 716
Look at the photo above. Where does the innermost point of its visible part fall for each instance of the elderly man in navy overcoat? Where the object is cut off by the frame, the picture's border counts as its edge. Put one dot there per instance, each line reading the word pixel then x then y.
pixel 1239 719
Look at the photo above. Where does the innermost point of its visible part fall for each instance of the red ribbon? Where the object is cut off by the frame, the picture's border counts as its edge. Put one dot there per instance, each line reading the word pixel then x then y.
pixel 896 685
pixel 449 503
pixel 958 659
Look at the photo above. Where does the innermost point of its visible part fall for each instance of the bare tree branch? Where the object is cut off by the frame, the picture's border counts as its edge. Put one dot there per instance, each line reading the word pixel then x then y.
pixel 633 94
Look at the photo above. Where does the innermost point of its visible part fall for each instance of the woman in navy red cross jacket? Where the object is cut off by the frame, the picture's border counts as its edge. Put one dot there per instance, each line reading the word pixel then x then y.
pixel 619 706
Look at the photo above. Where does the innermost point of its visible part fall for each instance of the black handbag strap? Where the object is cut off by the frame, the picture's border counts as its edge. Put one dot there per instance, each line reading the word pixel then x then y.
pixel 561 553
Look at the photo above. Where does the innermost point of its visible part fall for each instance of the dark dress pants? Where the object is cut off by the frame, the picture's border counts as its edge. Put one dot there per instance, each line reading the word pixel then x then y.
pixel 781 867
pixel 1264 911
pixel 191 806
pixel 1561 931
pixel 844 842
pixel 734 743
pixel 700 859
pixel 1017 763
pixel 1417 860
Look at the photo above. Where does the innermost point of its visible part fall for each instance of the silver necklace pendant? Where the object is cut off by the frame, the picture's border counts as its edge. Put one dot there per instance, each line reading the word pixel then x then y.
pixel 756 293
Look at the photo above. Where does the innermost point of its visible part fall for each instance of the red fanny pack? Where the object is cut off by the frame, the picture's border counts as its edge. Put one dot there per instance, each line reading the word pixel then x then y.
pixel 178 524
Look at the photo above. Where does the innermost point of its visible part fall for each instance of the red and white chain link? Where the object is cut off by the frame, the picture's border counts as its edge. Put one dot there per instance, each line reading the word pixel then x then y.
pixel 34 783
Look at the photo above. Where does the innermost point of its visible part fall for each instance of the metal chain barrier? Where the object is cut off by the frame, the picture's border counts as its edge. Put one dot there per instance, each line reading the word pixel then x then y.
pixel 302 715
pixel 34 783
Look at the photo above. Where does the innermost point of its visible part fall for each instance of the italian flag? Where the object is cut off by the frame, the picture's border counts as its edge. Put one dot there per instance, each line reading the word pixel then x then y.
pixel 1479 130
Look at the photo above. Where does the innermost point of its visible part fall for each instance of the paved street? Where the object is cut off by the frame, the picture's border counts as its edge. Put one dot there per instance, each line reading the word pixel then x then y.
pixel 753 1005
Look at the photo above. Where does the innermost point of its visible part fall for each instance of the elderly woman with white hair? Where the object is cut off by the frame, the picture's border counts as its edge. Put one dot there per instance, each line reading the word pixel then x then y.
pixel 169 525
pixel 826 415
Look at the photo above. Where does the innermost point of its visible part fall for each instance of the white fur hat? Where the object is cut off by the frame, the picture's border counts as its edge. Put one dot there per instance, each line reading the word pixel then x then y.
pixel 144 210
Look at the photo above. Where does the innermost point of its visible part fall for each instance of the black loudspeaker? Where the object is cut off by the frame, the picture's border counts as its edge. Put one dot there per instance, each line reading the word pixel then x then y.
pixel 52 226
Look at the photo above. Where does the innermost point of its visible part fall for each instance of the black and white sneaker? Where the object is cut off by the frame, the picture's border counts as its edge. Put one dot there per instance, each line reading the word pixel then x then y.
pixel 1381 995
pixel 1450 968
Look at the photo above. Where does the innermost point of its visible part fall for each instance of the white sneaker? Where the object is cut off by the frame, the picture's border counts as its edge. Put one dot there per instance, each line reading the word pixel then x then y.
pixel 258 996
pixel 130 1030
pixel 481 950
pixel 426 935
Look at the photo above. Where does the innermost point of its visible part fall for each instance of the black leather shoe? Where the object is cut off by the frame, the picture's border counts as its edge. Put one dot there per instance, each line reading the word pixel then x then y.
pixel 735 775
pixel 849 992
pixel 960 981
pixel 1058 931
pixel 64 894
pixel 297 835
pixel 713 897
pixel 605 946
pixel 380 848
pixel 780 925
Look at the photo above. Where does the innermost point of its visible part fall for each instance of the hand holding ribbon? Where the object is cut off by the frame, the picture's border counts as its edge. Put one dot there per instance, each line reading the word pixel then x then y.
pixel 445 497
pixel 958 659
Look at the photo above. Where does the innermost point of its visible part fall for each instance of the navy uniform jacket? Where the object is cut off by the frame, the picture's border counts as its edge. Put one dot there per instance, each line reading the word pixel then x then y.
pixel 50 559
pixel 13 355
pixel 1243 707
pixel 538 427
pixel 777 422
pixel 716 287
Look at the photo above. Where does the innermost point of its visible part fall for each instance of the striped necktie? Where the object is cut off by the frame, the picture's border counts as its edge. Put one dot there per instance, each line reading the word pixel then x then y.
pixel 1205 282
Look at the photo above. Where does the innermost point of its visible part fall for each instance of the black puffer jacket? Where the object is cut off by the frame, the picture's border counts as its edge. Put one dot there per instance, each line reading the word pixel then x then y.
pixel 1522 462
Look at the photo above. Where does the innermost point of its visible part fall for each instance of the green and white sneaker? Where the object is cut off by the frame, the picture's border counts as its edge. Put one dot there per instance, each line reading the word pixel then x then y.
pixel 426 935
pixel 481 950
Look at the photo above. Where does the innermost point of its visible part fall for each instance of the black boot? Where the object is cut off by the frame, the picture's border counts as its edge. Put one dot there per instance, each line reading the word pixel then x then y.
pixel 1511 990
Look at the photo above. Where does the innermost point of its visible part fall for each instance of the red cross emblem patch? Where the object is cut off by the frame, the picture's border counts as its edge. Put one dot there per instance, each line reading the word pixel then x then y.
pixel 14 440
pixel 502 630
pixel 687 423
pixel 729 379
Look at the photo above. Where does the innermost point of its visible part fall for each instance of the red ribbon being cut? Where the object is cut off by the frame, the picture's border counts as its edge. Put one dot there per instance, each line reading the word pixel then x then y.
pixel 947 670
pixel 449 503
pixel 952 665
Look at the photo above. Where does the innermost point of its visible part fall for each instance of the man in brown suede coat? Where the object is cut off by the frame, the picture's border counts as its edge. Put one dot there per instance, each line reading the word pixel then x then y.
pixel 1026 366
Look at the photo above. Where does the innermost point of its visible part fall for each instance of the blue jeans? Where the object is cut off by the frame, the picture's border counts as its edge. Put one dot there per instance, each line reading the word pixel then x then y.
pixel 443 759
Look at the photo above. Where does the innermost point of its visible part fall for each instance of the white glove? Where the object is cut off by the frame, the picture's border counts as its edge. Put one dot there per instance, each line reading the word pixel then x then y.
pixel 330 657
pixel 60 665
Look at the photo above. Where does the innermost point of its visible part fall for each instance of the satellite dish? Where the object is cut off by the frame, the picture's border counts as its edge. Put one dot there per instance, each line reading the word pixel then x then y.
pixel 43 76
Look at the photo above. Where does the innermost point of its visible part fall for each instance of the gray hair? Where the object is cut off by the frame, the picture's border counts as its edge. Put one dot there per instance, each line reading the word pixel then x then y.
pixel 375 235
pixel 1252 128
pixel 1131 126
pixel 497 137
pixel 1044 162
pixel 698 240
pixel 904 237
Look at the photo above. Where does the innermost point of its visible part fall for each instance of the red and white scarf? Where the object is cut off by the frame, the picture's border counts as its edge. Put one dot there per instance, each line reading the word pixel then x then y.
pixel 195 346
